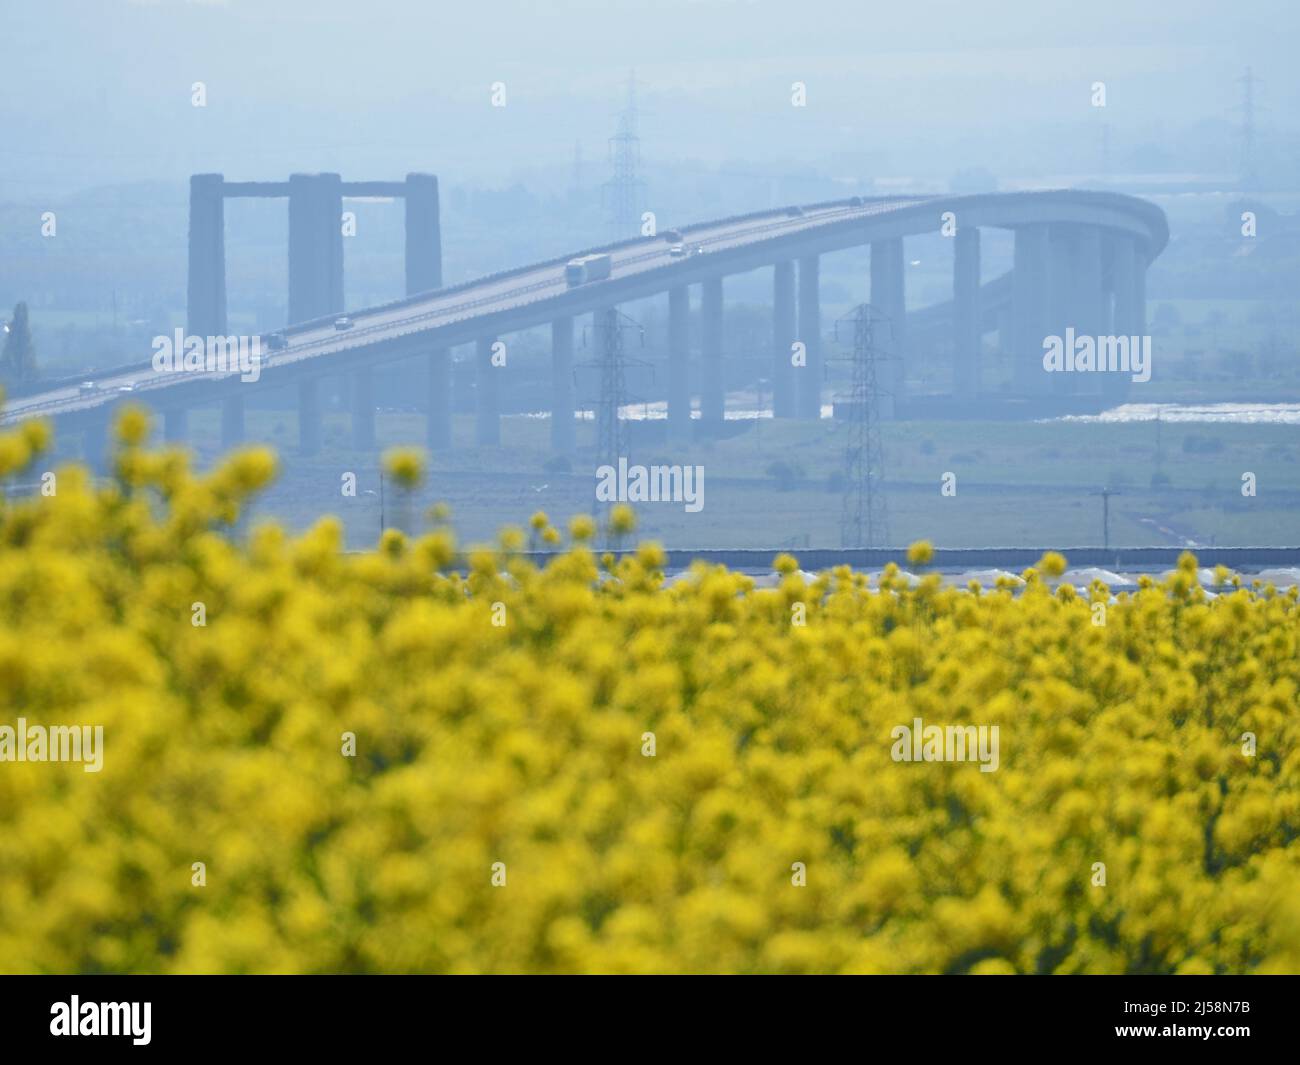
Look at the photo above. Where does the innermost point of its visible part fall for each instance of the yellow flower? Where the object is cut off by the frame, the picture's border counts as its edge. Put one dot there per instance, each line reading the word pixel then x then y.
pixel 133 425
pixel 622 519
pixel 406 466
pixel 920 553
pixel 1053 564
pixel 411 758
pixel 582 527
pixel 785 564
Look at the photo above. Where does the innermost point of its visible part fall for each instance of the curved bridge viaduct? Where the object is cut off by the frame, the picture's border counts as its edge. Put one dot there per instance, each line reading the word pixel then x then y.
pixel 1080 260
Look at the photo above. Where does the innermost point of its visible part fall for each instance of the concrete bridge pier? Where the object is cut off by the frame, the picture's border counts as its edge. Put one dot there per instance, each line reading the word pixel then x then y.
pixel 889 298
pixel 784 398
pixel 176 425
pixel 967 334
pixel 1006 323
pixel 438 428
pixel 1029 305
pixel 712 387
pixel 810 335
pixel 423 234
pixel 1061 304
pixel 315 246
pixel 232 422
pixel 363 408
pixel 486 401
pixel 424 274
pixel 564 430
pixel 1088 299
pixel 1128 284
pixel 205 313
pixel 679 355
pixel 1090 318
pixel 309 416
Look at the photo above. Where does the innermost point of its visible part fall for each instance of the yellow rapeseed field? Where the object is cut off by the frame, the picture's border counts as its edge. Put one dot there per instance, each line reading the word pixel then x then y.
pixel 383 764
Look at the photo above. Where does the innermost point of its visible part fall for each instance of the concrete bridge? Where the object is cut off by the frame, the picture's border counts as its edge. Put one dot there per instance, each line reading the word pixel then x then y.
pixel 1080 261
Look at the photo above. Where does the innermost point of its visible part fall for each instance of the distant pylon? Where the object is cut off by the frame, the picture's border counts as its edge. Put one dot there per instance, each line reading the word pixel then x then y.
pixel 610 365
pixel 623 191
pixel 864 512
pixel 1248 108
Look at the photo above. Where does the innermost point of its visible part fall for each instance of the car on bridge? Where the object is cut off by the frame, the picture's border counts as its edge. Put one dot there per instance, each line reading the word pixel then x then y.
pixel 343 322
pixel 277 341
pixel 87 388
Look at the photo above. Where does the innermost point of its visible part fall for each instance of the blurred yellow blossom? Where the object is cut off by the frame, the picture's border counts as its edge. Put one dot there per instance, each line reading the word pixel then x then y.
pixel 671 776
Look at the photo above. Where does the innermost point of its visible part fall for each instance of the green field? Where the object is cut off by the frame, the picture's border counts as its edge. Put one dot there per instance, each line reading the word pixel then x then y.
pixel 778 484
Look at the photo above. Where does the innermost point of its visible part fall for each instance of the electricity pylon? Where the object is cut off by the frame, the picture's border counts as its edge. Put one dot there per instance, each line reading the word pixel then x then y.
pixel 864 511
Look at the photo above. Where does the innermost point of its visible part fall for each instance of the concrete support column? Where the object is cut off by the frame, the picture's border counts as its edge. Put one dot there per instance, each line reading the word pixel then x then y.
pixel 1128 281
pixel 232 422
pixel 309 416
pixel 712 390
pixel 810 335
pixel 424 274
pixel 679 356
pixel 332 234
pixel 304 301
pixel 205 313
pixel 1029 307
pixel 1089 311
pixel 1088 297
pixel 1126 284
pixel 487 404
pixel 438 425
pixel 784 399
pixel 889 298
pixel 176 425
pixel 966 341
pixel 315 246
pixel 423 234
pixel 1006 329
pixel 1062 307
pixel 363 408
pixel 564 432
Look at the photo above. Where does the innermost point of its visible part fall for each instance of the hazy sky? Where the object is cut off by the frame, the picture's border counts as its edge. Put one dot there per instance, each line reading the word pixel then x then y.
pixel 99 91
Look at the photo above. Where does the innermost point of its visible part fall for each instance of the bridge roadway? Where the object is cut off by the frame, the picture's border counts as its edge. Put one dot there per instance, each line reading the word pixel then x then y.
pixel 1065 239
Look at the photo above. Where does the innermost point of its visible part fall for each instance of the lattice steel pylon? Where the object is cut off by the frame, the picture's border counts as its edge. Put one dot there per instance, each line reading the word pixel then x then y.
pixel 1248 107
pixel 613 385
pixel 623 191
pixel 610 365
pixel 864 512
